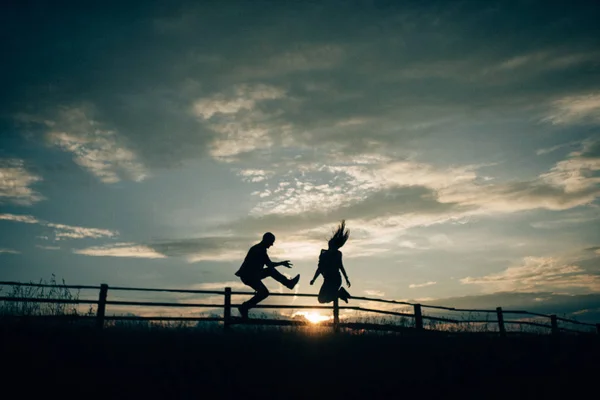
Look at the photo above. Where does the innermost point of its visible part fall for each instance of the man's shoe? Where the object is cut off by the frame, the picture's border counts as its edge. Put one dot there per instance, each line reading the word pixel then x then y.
pixel 243 312
pixel 294 281
pixel 343 294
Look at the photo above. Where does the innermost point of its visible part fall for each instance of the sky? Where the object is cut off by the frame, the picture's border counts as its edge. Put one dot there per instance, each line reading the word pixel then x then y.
pixel 150 144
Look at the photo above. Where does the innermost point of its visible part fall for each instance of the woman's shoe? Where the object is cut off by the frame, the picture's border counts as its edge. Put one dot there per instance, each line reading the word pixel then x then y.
pixel 343 294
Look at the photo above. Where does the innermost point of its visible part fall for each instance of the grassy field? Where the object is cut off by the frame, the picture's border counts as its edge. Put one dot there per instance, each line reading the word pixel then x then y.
pixel 80 362
pixel 68 358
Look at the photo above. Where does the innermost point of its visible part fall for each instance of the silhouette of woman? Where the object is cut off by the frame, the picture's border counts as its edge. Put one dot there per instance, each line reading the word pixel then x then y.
pixel 330 265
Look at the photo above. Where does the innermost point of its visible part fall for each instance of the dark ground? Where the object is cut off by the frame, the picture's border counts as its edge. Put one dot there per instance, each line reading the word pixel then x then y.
pixel 190 364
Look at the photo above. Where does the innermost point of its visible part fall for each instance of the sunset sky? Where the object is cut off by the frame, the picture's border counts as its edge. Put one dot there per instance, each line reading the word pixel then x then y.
pixel 151 143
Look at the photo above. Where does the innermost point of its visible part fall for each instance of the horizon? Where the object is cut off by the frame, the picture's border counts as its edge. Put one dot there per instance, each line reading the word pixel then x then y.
pixel 152 145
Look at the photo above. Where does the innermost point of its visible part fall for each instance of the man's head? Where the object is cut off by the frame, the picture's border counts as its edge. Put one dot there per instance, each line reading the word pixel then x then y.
pixel 268 239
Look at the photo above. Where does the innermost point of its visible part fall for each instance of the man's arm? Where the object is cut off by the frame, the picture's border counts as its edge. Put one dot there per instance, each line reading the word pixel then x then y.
pixel 272 264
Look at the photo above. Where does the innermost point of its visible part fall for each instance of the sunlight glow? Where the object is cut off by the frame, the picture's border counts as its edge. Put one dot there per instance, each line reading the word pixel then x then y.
pixel 312 316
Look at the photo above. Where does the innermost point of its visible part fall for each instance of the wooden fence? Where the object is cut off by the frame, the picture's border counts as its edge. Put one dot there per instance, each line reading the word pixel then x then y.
pixel 228 320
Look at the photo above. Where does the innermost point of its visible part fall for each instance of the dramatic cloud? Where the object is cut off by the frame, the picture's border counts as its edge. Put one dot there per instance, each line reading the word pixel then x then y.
pixel 218 285
pixel 417 193
pixel 568 184
pixel 15 183
pixel 577 174
pixel 243 98
pixel 240 126
pixel 9 251
pixel 213 248
pixel 439 147
pixel 565 222
pixel 61 231
pixel 120 250
pixel 419 285
pixel 47 247
pixel 77 232
pixel 374 293
pixel 538 274
pixel 576 109
pixel 26 219
pixel 254 175
pixel 96 149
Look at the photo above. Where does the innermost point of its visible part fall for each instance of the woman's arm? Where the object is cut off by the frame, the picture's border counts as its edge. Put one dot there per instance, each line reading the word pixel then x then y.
pixel 317 273
pixel 344 271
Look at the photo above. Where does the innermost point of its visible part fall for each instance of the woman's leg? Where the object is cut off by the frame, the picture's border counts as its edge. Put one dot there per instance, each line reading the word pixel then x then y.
pixel 343 294
pixel 329 289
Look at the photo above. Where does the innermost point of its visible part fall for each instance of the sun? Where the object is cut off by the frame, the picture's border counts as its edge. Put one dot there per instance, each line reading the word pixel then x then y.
pixel 313 317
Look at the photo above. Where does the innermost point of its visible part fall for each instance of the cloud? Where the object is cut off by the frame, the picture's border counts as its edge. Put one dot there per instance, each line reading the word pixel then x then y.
pixel 385 198
pixel 27 219
pixel 47 247
pixel 548 150
pixel 238 123
pixel 9 251
pixel 304 58
pixel 374 293
pixel 564 222
pixel 544 61
pixel 403 71
pixel 254 175
pixel 419 193
pixel 568 305
pixel 120 250
pixel 61 231
pixel 208 248
pixel 576 174
pixel 568 184
pixel 418 285
pixel 576 109
pixel 218 285
pixel 410 206
pixel 78 232
pixel 537 274
pixel 15 183
pixel 217 255
pixel 94 148
pixel 244 97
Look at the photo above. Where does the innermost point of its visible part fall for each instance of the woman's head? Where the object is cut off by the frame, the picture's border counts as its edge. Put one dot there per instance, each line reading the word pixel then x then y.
pixel 339 237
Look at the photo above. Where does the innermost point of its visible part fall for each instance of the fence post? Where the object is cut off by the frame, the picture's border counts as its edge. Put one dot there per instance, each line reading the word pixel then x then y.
pixel 336 315
pixel 501 327
pixel 554 323
pixel 101 306
pixel 227 309
pixel 418 317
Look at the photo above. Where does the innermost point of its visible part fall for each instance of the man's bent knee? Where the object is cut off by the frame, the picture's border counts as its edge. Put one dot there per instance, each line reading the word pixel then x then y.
pixel 262 294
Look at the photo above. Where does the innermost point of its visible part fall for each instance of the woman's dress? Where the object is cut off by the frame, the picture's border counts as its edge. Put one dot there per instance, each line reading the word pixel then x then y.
pixel 330 262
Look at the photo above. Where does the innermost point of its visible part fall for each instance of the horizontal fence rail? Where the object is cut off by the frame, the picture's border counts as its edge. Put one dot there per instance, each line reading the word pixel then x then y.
pixel 227 319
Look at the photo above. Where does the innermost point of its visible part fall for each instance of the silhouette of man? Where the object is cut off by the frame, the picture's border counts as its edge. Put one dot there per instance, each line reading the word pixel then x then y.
pixel 252 272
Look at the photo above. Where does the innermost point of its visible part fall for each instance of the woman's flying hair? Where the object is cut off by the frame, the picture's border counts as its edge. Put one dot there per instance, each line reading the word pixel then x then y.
pixel 340 236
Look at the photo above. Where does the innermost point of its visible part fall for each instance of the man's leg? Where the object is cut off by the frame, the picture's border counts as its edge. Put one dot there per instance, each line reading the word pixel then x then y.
pixel 279 277
pixel 261 293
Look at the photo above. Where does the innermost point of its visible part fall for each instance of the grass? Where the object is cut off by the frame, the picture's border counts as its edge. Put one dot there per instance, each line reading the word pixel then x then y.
pixel 185 362
pixel 181 360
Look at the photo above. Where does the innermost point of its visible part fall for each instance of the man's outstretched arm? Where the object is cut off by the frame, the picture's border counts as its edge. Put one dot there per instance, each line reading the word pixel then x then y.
pixel 272 264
